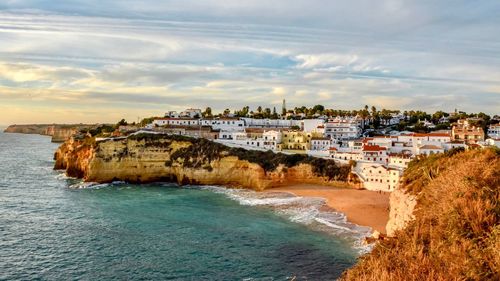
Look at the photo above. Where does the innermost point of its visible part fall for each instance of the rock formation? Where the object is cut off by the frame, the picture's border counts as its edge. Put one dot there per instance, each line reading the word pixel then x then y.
pixel 58 132
pixel 402 205
pixel 149 158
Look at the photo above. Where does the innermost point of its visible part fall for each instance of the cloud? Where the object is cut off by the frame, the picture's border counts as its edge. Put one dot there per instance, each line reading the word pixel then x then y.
pixel 23 72
pixel 324 60
pixel 150 56
pixel 279 91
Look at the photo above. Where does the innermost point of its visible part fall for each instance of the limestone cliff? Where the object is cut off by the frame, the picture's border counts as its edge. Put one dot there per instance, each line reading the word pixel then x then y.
pixel 58 132
pixel 402 205
pixel 39 129
pixel 61 134
pixel 149 158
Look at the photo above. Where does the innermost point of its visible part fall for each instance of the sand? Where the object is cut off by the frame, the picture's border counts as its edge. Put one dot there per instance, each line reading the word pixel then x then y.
pixel 362 207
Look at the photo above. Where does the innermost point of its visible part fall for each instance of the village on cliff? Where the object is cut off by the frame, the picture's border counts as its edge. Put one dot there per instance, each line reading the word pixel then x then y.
pixel 378 145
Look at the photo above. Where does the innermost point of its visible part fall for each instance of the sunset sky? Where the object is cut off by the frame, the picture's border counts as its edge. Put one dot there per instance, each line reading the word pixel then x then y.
pixel 99 61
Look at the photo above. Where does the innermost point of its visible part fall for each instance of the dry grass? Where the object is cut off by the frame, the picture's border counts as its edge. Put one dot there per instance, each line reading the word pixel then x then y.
pixel 456 233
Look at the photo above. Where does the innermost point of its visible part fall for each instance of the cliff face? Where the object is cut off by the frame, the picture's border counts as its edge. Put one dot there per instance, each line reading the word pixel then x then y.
pixel 189 161
pixel 30 129
pixel 402 205
pixel 59 132
pixel 455 231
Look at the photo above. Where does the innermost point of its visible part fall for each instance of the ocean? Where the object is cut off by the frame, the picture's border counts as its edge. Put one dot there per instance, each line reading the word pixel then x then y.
pixel 58 228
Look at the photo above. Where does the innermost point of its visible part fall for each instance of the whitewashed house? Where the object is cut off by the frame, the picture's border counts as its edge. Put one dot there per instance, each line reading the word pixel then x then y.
pixel 175 122
pixel 494 131
pixel 319 143
pixel 312 125
pixel 224 124
pixel 342 129
pixel 377 177
pixel 429 149
pixel 270 123
pixel 191 113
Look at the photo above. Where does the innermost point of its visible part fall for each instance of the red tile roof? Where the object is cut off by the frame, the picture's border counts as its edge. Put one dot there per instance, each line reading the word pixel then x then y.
pixel 373 148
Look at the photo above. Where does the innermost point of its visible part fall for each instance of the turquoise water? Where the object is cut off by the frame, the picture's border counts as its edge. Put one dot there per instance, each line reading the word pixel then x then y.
pixel 50 230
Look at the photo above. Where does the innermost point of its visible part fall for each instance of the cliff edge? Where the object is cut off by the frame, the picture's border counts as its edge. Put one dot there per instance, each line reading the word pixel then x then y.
pixel 450 206
pixel 58 132
pixel 149 157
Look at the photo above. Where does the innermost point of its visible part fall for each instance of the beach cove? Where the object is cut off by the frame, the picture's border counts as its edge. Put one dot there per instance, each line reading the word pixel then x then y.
pixel 361 207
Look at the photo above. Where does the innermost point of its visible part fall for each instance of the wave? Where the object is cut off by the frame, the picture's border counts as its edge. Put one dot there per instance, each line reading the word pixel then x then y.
pixel 63 176
pixel 309 211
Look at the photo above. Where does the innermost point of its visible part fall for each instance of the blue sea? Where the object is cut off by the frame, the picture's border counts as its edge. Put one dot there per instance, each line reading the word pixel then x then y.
pixel 58 228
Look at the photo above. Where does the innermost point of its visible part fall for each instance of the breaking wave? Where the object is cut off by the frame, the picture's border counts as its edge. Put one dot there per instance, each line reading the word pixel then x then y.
pixel 309 211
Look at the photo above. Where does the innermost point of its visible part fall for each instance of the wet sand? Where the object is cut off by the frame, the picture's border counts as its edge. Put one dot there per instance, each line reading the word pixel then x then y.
pixel 362 207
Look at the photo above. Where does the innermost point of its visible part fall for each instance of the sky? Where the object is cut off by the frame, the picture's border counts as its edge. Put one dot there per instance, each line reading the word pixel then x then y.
pixel 93 61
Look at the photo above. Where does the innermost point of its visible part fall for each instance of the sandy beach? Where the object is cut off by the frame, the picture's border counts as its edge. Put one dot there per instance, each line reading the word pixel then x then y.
pixel 362 207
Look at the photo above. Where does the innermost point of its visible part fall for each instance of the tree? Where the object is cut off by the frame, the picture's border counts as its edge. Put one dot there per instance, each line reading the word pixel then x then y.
pixel 259 109
pixel 318 109
pixel 374 111
pixel 385 115
pixel 207 112
pixel 245 111
pixel 121 123
pixel 227 112
pixel 437 115
pixel 146 121
pixel 267 112
pixel 275 114
pixel 364 114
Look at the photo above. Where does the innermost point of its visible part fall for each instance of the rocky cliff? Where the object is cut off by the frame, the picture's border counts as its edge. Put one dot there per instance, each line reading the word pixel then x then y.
pixel 58 132
pixel 402 205
pixel 149 158
pixel 39 129
pixel 62 134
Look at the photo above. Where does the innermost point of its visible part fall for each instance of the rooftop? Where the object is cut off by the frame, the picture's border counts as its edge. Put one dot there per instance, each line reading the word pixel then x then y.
pixel 429 146
pixel 373 148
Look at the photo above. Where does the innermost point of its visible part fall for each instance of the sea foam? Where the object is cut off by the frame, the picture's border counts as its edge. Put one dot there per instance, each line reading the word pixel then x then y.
pixel 304 210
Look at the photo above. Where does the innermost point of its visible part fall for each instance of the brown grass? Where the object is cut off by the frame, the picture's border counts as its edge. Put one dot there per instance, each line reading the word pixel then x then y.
pixel 456 232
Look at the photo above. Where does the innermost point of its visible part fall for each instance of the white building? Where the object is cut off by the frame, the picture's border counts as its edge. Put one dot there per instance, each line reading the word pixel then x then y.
pixel 322 144
pixel 429 149
pixel 375 153
pixel 270 123
pixel 342 129
pixel 493 142
pixel 224 124
pixel 345 157
pixel 172 114
pixel 377 177
pixel 453 144
pixel 191 113
pixel 176 122
pixel 312 125
pixel 269 140
pixel 399 161
pixel 494 131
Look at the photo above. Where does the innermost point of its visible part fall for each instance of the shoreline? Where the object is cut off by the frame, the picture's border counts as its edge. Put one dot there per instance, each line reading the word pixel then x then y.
pixel 361 207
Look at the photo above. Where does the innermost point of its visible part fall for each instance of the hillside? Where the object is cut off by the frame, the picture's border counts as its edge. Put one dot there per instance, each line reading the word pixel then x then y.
pixel 455 234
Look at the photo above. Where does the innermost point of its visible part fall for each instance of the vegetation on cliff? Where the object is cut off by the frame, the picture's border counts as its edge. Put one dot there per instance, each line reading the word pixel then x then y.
pixel 456 231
